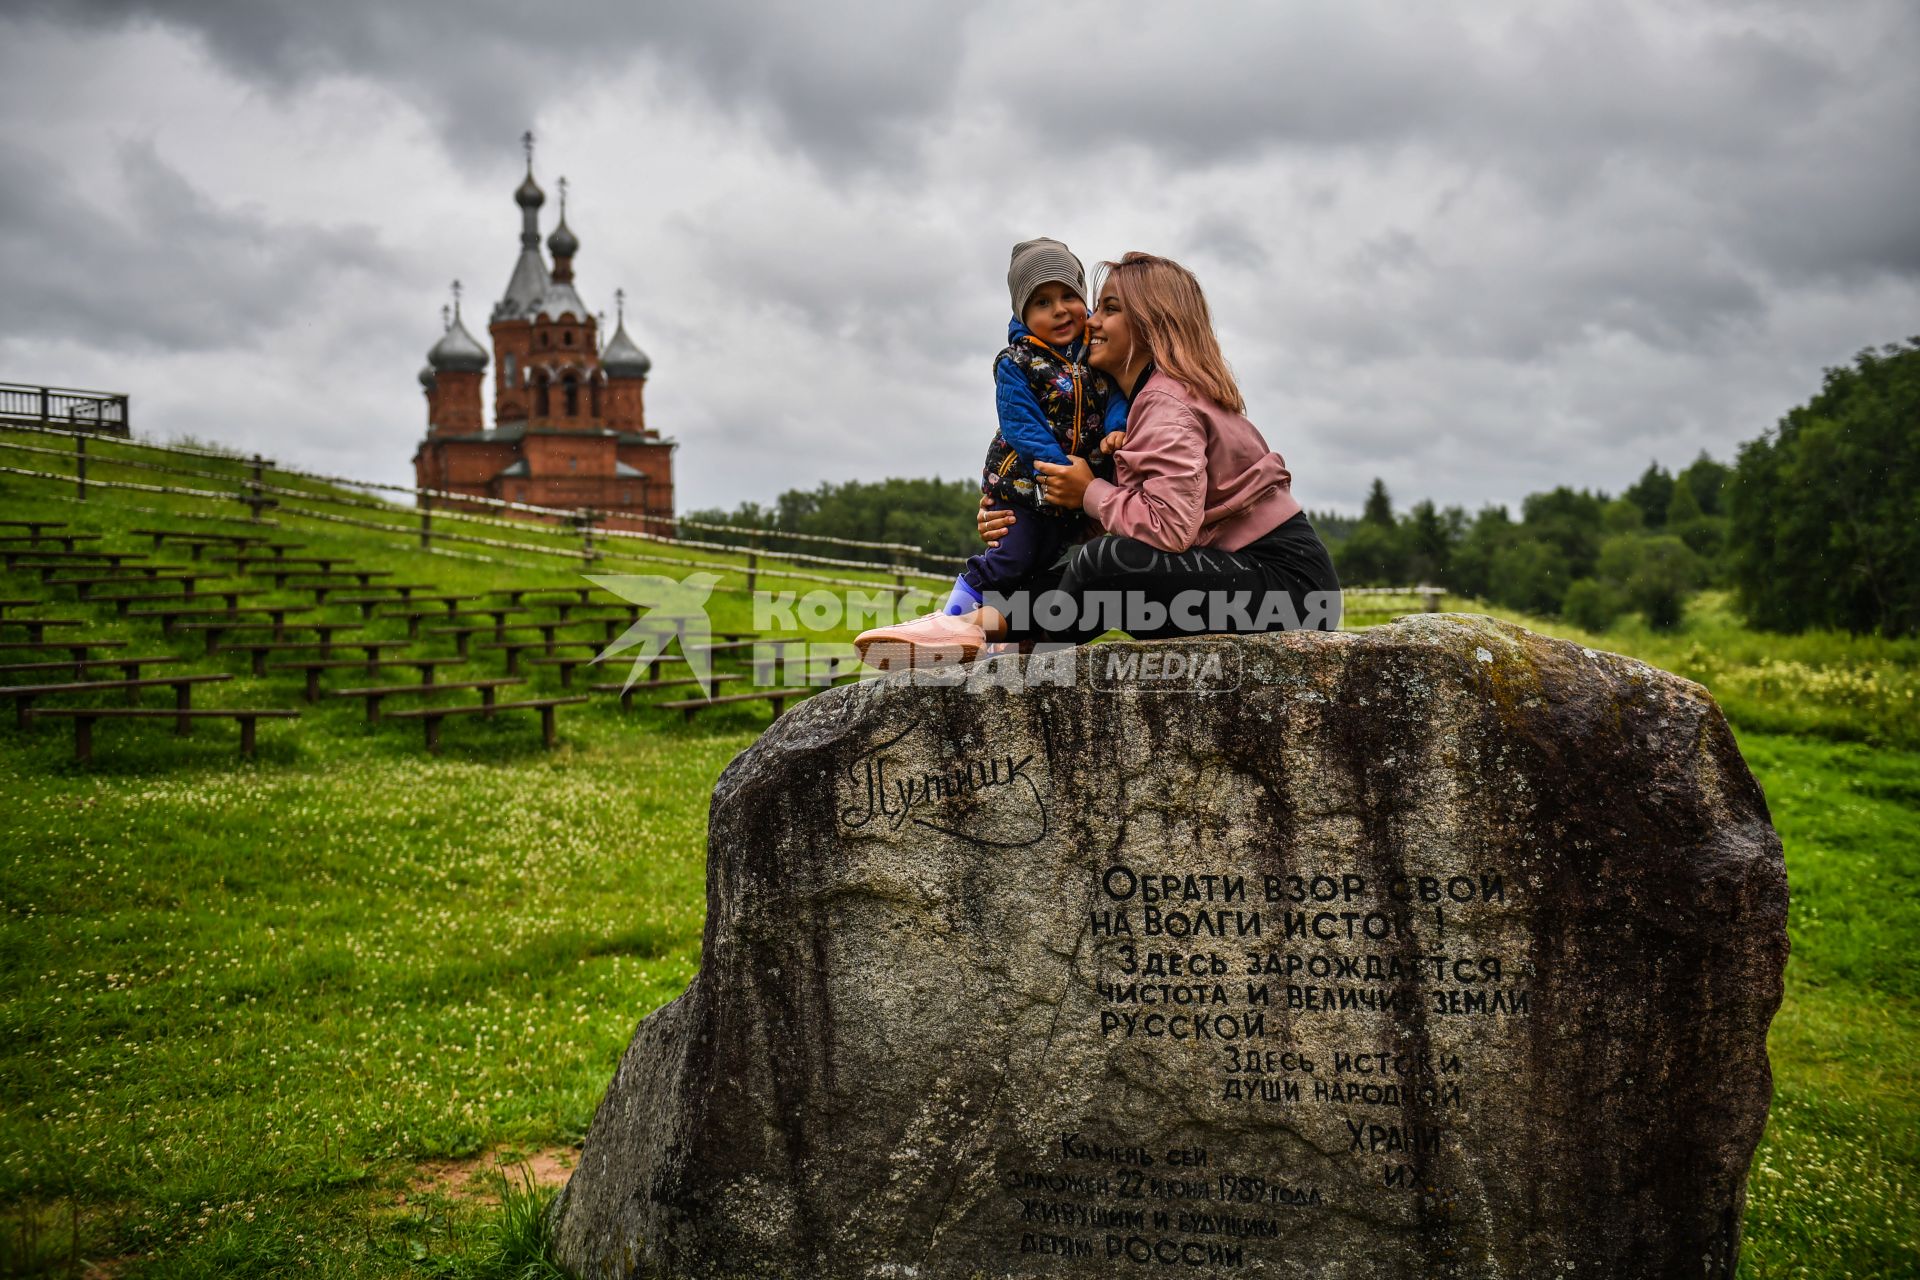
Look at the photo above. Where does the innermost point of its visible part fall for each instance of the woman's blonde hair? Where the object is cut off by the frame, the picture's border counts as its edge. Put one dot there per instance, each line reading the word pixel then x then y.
pixel 1166 308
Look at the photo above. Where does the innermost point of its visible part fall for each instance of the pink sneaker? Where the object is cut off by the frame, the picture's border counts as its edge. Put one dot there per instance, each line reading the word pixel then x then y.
pixel 936 640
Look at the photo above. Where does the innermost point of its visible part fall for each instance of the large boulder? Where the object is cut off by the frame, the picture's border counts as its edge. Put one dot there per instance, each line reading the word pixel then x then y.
pixel 1440 949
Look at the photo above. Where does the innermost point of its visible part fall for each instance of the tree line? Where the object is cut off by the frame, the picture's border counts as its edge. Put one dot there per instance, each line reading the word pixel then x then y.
pixel 1816 523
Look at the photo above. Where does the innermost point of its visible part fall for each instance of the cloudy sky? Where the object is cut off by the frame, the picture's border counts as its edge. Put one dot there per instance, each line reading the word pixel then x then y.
pixel 1475 249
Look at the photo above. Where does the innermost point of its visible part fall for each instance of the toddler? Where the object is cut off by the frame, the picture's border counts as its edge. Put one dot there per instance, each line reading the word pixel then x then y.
pixel 1051 406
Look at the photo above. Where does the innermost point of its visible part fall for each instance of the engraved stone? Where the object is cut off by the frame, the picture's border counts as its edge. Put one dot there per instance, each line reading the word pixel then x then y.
pixel 1437 950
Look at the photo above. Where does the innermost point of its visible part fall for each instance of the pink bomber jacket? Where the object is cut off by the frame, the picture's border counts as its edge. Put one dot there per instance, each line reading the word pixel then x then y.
pixel 1191 474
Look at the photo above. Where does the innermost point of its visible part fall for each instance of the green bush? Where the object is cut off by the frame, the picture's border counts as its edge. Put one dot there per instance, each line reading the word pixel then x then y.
pixel 1592 605
pixel 1653 574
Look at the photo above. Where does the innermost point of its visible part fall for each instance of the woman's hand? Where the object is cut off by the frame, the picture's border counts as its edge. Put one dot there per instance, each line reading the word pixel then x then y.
pixel 1113 442
pixel 991 521
pixel 1064 486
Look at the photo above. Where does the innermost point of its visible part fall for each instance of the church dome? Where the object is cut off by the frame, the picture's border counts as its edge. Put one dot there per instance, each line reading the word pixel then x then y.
pixel 563 243
pixel 427 376
pixel 529 195
pixel 457 351
pixel 623 358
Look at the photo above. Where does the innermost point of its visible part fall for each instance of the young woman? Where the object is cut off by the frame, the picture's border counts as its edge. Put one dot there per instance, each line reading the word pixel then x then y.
pixel 1202 531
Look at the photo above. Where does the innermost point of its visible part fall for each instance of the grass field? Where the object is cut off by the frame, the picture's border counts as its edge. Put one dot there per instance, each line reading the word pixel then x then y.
pixel 246 1009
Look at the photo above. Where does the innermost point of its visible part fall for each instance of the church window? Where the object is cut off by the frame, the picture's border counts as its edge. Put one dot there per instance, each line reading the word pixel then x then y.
pixel 567 337
pixel 573 398
pixel 546 339
pixel 573 463
pixel 593 397
pixel 507 369
pixel 542 405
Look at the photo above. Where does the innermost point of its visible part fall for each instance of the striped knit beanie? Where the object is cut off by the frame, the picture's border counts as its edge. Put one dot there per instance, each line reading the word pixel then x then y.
pixel 1043 261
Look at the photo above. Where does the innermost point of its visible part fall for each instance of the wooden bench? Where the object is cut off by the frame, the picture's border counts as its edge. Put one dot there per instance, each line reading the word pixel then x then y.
pixel 78 648
pixel 66 540
pixel 432 716
pixel 215 630
pixel 79 666
pixel 314 666
pixel 514 648
pixel 278 563
pixel 626 691
pixel 36 628
pixel 162 535
pixel 148 574
pixel 182 685
pixel 375 694
pixel 335 580
pixel 123 601
pixel 652 669
pixel 692 707
pixel 257 650
pixel 17 602
pixel 566 666
pixel 465 633
pixel 516 595
pixel 366 603
pixel 406 589
pixel 83 718
pixel 54 561
pixel 171 617
pixel 414 617
pixel 34 526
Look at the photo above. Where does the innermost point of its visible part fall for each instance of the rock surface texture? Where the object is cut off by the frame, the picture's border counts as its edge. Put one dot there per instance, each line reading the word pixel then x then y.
pixel 1436 950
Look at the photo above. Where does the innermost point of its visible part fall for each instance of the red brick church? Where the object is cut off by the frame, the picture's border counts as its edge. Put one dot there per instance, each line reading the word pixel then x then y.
pixel 569 415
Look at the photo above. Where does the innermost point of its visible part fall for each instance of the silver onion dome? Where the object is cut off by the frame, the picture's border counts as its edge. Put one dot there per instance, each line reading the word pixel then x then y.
pixel 623 358
pixel 457 351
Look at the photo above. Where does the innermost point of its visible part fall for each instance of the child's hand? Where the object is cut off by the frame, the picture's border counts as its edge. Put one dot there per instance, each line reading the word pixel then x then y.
pixel 1113 441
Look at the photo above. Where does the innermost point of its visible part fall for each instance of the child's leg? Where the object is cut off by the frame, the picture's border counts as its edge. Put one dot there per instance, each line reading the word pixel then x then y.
pixel 1029 544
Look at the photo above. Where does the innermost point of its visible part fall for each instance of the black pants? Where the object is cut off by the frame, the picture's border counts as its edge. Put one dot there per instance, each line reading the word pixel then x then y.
pixel 1283 580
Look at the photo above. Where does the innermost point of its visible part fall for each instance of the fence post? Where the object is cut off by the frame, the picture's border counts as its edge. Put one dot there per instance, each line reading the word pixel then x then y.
pixel 46 407
pixel 753 560
pixel 80 467
pixel 252 486
pixel 585 518
pixel 426 520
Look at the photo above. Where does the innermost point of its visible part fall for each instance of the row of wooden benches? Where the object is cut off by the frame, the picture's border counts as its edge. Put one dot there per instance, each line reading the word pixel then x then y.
pixel 277 564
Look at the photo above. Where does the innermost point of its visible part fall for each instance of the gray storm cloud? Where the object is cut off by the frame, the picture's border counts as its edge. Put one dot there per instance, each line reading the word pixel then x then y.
pixel 1476 250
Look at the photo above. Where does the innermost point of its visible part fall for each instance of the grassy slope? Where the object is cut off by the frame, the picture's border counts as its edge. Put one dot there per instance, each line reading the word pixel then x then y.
pixel 240 1005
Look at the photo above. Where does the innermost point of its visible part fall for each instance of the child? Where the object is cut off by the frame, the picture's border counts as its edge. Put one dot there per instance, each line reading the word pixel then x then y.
pixel 1051 406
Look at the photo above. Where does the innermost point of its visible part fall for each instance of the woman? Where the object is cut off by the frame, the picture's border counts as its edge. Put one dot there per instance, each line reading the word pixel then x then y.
pixel 1203 533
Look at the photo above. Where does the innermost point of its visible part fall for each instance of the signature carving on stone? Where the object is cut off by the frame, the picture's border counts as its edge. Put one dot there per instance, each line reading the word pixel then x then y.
pixel 1006 809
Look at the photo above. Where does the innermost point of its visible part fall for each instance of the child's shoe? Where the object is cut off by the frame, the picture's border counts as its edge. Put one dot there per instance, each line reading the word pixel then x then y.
pixel 936 639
